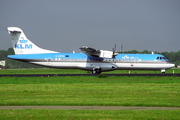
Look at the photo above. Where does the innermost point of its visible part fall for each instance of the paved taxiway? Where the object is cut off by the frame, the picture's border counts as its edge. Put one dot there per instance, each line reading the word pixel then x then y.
pixel 88 108
pixel 50 75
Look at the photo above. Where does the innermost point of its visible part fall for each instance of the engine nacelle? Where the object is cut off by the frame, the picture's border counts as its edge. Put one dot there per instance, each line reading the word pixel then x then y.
pixel 106 54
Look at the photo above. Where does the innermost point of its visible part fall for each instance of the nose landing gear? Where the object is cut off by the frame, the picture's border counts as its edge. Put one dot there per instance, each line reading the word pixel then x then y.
pixel 163 71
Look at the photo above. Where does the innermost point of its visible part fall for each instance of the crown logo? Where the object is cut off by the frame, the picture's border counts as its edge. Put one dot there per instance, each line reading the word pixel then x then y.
pixel 23 41
pixel 125 57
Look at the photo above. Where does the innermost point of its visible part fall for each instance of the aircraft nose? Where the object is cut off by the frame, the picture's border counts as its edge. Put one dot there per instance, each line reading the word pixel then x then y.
pixel 172 65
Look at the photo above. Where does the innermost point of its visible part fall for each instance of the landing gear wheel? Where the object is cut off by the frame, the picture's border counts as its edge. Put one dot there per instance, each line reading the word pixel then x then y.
pixel 96 71
pixel 163 71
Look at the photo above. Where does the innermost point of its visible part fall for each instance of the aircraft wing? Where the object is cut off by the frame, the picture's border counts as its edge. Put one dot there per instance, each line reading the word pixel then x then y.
pixel 90 51
pixel 98 53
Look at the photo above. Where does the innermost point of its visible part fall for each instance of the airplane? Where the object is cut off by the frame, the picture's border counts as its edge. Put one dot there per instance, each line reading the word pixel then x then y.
pixel 90 59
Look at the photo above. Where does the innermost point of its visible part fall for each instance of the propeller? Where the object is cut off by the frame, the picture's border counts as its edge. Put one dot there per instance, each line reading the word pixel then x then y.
pixel 121 48
pixel 114 52
pixel 114 49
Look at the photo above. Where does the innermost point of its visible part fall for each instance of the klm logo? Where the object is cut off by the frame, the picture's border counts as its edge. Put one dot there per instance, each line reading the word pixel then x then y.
pixel 23 45
pixel 23 41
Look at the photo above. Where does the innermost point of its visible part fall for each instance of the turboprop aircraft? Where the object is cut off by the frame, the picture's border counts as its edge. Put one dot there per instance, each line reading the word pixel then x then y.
pixel 90 59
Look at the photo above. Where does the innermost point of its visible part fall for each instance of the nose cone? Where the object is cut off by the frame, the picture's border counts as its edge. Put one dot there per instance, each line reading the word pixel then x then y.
pixel 172 65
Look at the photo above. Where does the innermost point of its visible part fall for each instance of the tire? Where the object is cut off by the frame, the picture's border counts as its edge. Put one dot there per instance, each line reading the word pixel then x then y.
pixel 96 71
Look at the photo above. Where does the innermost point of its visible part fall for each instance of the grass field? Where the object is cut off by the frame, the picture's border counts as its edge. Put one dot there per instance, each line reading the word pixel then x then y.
pixel 76 71
pixel 121 91
pixel 93 90
pixel 31 114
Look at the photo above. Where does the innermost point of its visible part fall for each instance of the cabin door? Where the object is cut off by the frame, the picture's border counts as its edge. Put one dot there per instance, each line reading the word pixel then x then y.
pixel 49 61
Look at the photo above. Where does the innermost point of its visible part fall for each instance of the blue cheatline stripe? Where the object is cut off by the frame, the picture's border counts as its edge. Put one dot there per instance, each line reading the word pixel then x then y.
pixel 84 56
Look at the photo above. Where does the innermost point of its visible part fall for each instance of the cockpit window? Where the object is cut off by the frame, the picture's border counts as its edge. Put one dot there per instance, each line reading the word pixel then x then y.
pixel 161 58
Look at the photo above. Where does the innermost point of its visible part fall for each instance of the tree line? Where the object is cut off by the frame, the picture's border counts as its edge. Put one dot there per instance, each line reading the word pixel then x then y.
pixel 12 64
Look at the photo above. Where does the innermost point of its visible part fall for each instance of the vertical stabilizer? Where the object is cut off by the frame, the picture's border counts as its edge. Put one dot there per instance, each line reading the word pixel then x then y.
pixel 22 45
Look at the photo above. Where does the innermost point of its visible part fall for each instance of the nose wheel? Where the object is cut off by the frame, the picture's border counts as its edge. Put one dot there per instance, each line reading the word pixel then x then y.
pixel 163 71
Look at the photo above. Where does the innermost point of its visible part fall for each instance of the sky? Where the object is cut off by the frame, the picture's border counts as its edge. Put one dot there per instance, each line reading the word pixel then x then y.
pixel 66 25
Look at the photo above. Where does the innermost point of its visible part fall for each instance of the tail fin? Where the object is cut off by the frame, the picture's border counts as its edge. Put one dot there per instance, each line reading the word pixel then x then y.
pixel 22 45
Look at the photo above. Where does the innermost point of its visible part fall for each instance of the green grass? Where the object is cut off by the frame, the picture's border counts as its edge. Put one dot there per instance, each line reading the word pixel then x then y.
pixel 42 71
pixel 94 90
pixel 76 71
pixel 29 114
pixel 109 91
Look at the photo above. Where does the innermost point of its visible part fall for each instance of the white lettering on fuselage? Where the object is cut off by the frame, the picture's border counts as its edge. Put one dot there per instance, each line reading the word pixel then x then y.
pixel 59 56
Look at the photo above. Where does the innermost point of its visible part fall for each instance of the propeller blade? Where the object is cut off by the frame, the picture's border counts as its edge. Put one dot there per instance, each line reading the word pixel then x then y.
pixel 115 48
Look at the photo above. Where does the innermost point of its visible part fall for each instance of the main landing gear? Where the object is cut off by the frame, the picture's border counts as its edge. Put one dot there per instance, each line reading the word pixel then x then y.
pixel 96 71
